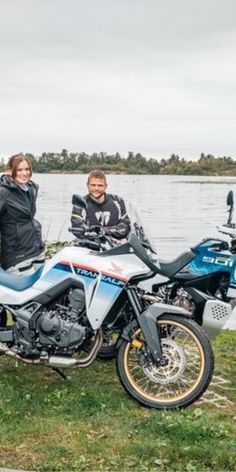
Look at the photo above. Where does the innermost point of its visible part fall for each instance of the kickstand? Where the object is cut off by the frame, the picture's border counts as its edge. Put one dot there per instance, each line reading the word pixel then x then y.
pixel 59 372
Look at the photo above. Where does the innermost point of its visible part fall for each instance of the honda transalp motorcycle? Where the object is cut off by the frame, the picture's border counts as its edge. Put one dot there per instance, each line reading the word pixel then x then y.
pixel 164 359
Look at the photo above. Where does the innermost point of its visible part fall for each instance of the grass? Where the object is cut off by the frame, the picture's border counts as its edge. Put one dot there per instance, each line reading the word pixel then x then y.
pixel 91 424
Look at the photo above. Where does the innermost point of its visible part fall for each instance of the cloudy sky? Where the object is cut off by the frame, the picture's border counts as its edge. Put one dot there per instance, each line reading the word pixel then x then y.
pixel 150 76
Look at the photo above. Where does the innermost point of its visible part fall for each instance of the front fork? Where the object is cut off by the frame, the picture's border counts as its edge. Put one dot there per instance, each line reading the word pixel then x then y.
pixel 148 325
pixel 147 321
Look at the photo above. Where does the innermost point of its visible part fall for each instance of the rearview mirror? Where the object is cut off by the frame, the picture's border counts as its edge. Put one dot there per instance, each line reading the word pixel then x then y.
pixel 230 203
pixel 230 198
pixel 79 201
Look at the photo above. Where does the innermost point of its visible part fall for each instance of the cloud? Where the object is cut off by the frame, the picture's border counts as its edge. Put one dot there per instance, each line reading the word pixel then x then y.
pixel 153 77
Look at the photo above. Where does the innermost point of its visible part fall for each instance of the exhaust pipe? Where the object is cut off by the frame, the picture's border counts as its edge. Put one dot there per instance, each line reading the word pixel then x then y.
pixel 8 352
pixel 56 361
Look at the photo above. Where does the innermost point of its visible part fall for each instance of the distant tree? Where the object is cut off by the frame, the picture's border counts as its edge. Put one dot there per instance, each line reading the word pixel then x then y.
pixel 132 164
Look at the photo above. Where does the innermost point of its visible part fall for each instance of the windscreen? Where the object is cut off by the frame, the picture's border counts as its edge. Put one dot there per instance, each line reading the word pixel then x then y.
pixel 140 229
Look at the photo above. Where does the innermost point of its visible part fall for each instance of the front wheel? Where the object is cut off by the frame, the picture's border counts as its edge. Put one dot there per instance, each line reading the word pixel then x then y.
pixel 187 371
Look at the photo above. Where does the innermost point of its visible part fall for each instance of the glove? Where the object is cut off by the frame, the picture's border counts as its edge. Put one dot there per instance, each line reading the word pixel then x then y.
pixel 97 229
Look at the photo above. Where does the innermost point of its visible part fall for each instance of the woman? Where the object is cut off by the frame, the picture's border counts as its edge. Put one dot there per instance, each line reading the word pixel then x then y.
pixel 22 247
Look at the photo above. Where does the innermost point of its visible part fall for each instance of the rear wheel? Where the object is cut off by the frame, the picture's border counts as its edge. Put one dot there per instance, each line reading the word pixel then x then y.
pixel 3 317
pixel 108 349
pixel 186 374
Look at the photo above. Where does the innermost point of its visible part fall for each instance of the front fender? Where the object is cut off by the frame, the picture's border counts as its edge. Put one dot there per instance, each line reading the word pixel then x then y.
pixel 147 322
pixel 156 310
pixel 153 312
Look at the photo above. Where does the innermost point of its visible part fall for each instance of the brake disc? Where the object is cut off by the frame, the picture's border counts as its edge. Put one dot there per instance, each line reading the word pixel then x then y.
pixel 175 365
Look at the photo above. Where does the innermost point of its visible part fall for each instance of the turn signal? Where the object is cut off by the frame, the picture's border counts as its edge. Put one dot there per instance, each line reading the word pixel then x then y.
pixel 136 343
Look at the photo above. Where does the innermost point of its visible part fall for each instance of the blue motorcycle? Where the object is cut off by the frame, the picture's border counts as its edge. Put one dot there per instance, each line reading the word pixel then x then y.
pixel 207 270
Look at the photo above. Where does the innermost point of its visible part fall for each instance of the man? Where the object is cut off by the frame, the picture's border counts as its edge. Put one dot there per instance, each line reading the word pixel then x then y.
pixel 103 209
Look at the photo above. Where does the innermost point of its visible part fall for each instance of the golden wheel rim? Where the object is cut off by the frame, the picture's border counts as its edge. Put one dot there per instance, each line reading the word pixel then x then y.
pixel 184 369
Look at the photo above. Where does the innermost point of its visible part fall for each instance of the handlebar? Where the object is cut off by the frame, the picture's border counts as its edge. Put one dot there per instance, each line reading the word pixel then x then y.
pixel 93 237
pixel 87 231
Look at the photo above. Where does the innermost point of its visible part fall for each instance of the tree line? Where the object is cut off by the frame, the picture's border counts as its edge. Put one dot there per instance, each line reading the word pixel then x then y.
pixel 134 163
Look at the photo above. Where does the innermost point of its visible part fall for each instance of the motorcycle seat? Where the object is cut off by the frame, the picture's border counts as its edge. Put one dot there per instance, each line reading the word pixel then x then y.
pixel 19 282
pixel 169 269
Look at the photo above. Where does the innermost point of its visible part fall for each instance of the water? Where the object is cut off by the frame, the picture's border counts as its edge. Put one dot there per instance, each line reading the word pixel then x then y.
pixel 179 211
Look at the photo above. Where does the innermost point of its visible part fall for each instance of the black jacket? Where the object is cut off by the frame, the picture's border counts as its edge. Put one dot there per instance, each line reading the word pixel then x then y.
pixel 21 236
pixel 110 214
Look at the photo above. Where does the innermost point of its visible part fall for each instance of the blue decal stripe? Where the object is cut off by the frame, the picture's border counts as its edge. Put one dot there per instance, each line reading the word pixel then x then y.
pixel 112 281
pixel 64 267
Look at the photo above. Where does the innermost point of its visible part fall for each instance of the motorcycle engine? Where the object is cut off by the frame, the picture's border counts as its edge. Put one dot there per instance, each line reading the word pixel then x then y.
pixel 183 300
pixel 54 330
pixel 60 326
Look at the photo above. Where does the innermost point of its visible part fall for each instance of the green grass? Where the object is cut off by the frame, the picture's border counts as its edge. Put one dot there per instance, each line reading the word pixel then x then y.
pixel 91 424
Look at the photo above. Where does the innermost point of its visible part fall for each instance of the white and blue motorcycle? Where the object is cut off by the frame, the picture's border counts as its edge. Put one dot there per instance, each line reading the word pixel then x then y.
pixel 60 313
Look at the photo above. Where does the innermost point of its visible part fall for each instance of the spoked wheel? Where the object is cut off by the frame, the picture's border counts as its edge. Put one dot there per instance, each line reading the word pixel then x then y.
pixel 187 371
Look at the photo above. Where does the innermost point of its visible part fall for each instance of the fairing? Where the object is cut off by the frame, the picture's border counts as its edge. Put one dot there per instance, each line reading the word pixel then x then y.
pixel 209 261
pixel 103 279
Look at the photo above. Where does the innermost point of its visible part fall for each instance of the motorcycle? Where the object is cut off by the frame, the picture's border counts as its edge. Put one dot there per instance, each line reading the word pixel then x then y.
pixel 164 359
pixel 206 270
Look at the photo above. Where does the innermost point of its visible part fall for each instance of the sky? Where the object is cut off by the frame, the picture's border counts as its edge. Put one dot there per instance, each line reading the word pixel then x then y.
pixel 150 76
